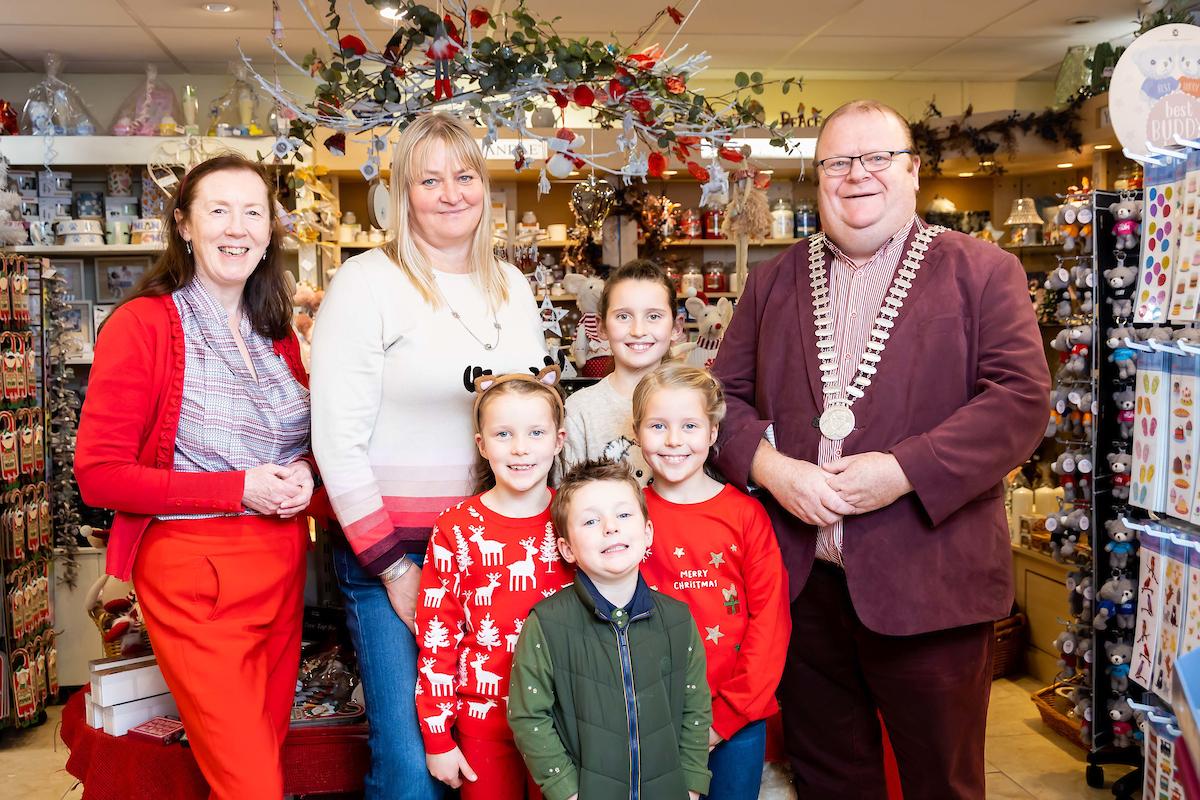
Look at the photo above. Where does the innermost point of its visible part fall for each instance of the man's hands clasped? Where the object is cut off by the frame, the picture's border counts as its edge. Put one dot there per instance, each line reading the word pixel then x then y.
pixel 822 496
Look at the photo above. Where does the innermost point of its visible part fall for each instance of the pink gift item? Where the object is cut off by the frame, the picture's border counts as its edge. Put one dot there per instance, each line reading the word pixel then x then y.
pixel 120 181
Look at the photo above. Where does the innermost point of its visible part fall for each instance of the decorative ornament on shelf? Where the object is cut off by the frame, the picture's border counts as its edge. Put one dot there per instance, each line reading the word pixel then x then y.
pixel 496 66
pixel 747 215
pixel 1024 222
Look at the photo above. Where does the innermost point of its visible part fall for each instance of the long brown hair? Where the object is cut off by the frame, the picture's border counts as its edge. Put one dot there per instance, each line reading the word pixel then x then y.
pixel 265 298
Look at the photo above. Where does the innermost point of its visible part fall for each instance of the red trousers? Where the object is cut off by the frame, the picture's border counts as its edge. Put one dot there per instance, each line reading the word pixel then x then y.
pixel 223 600
pixel 931 691
pixel 500 771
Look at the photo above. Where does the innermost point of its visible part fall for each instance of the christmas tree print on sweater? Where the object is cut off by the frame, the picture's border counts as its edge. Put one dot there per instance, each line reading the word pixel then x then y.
pixel 483 573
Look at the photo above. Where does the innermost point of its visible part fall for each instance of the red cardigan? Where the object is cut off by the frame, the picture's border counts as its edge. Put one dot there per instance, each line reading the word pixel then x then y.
pixel 125 449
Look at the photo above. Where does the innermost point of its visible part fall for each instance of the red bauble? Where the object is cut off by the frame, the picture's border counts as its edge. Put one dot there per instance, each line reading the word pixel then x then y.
pixel 584 96
pixel 560 99
pixel 479 17
pixel 616 89
pixel 352 43
pixel 655 165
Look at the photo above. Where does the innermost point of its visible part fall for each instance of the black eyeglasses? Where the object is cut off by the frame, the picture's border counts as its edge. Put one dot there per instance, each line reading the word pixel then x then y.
pixel 877 161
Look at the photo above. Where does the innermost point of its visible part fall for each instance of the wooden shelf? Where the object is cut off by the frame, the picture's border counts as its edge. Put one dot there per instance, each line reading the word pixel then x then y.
pixel 1036 248
pixel 96 249
pixel 691 242
pixel 68 151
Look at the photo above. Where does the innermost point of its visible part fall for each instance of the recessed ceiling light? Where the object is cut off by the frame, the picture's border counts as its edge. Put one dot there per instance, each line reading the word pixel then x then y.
pixel 1085 20
pixel 669 172
pixel 217 8
pixel 1102 147
pixel 1066 165
pixel 392 12
pixel 966 174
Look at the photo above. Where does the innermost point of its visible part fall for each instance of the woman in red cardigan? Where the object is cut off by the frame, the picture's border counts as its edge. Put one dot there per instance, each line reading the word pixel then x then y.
pixel 196 431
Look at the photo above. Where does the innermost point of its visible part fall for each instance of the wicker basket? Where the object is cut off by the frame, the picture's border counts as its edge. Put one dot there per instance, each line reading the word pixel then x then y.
pixel 1055 709
pixel 104 621
pixel 1008 654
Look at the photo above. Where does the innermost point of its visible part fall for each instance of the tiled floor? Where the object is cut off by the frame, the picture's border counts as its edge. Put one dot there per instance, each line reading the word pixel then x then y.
pixel 1025 760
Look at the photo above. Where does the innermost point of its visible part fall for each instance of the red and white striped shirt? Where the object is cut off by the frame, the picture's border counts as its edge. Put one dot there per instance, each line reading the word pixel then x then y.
pixel 856 293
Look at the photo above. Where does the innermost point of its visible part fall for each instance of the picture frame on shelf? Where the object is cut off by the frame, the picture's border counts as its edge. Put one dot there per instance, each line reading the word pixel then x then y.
pixel 100 313
pixel 71 270
pixel 78 333
pixel 117 275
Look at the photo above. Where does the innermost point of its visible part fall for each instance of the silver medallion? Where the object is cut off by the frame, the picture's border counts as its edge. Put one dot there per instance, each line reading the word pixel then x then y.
pixel 837 422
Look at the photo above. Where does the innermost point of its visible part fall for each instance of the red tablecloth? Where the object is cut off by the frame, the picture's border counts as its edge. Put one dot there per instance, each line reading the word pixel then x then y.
pixel 317 760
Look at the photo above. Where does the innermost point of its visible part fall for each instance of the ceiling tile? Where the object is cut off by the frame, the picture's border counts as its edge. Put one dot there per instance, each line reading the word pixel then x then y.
pixel 58 12
pixel 212 44
pixel 981 53
pixel 97 42
pixel 864 52
pixel 1048 18
pixel 890 18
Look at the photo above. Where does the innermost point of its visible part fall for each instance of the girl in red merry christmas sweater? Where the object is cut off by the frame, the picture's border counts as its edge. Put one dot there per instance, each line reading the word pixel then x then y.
pixel 489 560
pixel 714 549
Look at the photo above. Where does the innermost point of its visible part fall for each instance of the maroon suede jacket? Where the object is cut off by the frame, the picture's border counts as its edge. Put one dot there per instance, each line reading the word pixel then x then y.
pixel 960 398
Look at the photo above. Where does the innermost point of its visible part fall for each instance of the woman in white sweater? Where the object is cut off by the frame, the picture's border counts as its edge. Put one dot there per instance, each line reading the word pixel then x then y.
pixel 391 418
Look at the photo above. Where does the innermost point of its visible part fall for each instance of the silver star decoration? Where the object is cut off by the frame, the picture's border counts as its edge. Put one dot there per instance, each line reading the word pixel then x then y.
pixel 717 559
pixel 551 315
pixel 679 552
pixel 714 634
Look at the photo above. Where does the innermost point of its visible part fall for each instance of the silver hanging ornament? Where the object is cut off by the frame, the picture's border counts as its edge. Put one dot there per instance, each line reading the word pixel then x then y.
pixel 591 200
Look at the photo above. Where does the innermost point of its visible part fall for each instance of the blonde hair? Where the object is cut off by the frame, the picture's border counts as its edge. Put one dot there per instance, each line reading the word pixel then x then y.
pixel 677 375
pixel 407 163
pixel 526 386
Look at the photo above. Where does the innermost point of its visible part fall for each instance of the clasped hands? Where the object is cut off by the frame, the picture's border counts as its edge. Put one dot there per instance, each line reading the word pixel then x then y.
pixel 278 491
pixel 822 495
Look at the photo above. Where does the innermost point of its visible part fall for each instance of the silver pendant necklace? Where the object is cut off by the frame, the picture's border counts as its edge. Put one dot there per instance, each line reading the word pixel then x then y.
pixel 837 419
pixel 458 318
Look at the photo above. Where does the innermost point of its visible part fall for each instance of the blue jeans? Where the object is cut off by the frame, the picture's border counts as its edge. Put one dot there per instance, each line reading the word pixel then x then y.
pixel 737 764
pixel 387 662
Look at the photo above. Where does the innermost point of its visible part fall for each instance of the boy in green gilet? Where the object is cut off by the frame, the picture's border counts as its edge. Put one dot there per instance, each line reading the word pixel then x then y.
pixel 608 698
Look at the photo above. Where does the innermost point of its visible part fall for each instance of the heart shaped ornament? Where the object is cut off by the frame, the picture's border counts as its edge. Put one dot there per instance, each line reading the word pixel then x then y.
pixel 591 200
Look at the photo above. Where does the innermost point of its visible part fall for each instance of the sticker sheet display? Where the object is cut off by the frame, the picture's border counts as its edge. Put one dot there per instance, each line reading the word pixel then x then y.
pixel 1191 632
pixel 1183 453
pixel 1187 264
pixel 1146 625
pixel 1160 239
pixel 1172 613
pixel 1148 487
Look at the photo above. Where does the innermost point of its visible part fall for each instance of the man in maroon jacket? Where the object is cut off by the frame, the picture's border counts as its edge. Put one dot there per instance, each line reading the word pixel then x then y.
pixel 881 380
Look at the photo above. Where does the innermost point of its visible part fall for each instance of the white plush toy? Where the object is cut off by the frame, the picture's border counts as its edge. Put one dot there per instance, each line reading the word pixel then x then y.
pixel 589 344
pixel 713 321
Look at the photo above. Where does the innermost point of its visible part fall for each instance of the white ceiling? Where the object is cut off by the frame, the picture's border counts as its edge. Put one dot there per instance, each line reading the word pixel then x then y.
pixel 857 39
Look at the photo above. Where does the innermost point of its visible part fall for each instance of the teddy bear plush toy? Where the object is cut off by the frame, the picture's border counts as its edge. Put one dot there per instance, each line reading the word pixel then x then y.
pixel 1127 223
pixel 1081 702
pixel 1083 277
pixel 1122 282
pixel 1066 644
pixel 1065 530
pixel 1059 281
pixel 1119 465
pixel 1064 468
pixel 1123 357
pixel 712 321
pixel 1115 601
pixel 1125 400
pixel 593 355
pixel 1122 726
pixel 1119 655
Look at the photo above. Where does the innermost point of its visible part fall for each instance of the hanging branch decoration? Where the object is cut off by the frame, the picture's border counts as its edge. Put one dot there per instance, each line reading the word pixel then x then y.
pixel 934 141
pixel 495 68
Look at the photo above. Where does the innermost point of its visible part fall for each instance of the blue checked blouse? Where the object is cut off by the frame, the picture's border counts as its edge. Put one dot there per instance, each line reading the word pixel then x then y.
pixel 227 420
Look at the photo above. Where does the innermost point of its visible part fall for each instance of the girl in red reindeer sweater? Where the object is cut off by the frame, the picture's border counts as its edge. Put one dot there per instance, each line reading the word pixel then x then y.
pixel 714 549
pixel 489 560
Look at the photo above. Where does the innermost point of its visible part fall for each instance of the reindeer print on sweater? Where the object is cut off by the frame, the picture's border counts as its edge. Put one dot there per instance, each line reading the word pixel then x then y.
pixel 483 573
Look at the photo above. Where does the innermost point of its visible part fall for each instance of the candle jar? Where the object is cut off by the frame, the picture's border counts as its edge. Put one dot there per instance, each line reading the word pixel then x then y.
pixel 781 220
pixel 712 224
pixel 671 270
pixel 692 279
pixel 689 224
pixel 714 277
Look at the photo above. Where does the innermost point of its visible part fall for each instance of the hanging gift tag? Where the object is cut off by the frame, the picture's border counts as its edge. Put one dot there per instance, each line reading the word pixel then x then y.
pixel 47 521
pixel 38 658
pixel 10 547
pixel 43 584
pixel 20 391
pixel 20 292
pixel 10 464
pixel 51 663
pixel 18 542
pixel 25 442
pixel 31 367
pixel 5 296
pixel 8 367
pixel 33 517
pixel 23 691
pixel 39 442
